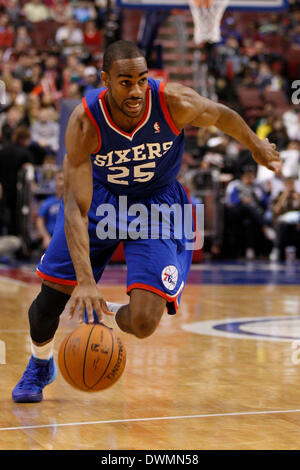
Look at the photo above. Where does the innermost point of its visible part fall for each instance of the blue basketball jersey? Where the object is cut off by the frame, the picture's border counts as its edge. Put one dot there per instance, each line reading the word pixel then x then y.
pixel 144 161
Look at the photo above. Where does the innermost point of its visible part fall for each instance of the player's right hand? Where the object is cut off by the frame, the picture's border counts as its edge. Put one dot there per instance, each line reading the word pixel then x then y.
pixel 266 154
pixel 87 297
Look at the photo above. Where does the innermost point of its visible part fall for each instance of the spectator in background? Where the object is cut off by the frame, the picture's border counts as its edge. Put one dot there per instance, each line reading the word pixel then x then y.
pixel 51 65
pixel 73 69
pixel 265 125
pixel 49 210
pixel 61 10
pixel 246 202
pixel 84 11
pixel 14 156
pixel 23 67
pixel 264 77
pixel 291 119
pixel 73 73
pixel 15 95
pixel 23 36
pixel 229 58
pixel 47 101
pixel 36 11
pixel 13 10
pixel 260 54
pixel 33 80
pixel 14 118
pixel 50 82
pixel 90 79
pixel 8 243
pixel 92 36
pixel 279 135
pixel 33 108
pixel 287 217
pixel 6 73
pixel 290 158
pixel 249 74
pixel 69 36
pixel 45 131
pixel 6 32
pixel 295 36
pixel 74 92
pixel 45 175
pixel 229 29
pixel 270 25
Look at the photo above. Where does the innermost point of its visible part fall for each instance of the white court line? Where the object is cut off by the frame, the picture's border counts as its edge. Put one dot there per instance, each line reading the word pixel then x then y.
pixel 160 418
pixel 11 280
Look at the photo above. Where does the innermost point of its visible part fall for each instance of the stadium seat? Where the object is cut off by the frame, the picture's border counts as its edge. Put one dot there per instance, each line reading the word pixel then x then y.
pixel 277 97
pixel 250 97
pixel 43 33
pixel 293 64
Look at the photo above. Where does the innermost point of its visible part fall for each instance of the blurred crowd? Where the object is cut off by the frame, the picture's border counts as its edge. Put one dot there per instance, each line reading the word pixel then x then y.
pixel 254 69
pixel 49 51
pixel 53 50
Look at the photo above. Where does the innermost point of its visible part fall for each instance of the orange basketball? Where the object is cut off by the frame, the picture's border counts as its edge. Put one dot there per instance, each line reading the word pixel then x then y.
pixel 92 357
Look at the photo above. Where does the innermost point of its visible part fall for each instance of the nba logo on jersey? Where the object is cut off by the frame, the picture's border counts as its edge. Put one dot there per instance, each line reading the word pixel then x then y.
pixel 156 127
pixel 169 277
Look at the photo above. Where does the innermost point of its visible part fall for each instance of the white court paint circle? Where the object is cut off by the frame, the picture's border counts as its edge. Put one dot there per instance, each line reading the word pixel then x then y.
pixel 285 329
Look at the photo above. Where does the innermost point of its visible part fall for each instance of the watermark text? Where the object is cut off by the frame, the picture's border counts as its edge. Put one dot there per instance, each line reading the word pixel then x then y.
pixel 155 221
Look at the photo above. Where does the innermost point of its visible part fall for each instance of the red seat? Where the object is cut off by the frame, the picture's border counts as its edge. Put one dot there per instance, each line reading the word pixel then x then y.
pixel 250 97
pixel 293 64
pixel 277 97
pixel 43 33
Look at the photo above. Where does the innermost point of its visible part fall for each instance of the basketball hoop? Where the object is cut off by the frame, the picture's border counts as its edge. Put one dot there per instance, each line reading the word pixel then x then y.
pixel 207 16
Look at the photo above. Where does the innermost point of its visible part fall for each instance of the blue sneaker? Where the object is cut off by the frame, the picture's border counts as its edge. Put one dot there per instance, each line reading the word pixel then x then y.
pixel 37 375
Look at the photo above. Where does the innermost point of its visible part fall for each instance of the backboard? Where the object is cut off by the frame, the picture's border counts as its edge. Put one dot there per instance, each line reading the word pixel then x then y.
pixel 234 4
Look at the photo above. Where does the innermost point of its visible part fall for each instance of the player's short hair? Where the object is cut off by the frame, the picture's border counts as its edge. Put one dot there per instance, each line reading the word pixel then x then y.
pixel 120 50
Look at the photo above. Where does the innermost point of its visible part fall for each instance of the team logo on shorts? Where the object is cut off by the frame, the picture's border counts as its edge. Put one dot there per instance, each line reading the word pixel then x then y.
pixel 169 277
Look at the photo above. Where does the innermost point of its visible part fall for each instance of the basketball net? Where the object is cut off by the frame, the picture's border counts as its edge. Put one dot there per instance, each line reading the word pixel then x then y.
pixel 207 16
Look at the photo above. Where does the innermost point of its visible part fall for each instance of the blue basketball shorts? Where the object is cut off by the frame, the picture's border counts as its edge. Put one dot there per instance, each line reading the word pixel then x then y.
pixel 157 259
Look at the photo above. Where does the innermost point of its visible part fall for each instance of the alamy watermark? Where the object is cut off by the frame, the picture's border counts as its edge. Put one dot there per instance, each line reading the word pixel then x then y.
pixel 296 95
pixel 2 93
pixel 155 221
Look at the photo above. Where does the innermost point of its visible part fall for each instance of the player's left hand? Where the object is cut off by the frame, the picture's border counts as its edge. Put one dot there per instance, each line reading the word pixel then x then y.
pixel 267 155
pixel 87 297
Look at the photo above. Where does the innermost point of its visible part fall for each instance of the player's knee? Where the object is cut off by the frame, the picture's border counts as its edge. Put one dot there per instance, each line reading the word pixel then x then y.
pixel 144 326
pixel 145 321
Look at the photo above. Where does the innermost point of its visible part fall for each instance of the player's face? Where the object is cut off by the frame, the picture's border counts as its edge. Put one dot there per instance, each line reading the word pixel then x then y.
pixel 127 82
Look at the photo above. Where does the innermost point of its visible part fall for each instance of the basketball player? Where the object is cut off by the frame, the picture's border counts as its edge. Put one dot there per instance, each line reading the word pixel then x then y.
pixel 125 139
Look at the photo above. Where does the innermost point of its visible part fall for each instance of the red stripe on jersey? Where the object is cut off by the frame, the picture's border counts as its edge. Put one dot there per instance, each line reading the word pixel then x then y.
pixel 129 134
pixel 164 107
pixel 93 121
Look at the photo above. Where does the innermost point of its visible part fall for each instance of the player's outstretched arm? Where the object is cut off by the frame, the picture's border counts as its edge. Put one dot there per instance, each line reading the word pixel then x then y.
pixel 81 140
pixel 189 108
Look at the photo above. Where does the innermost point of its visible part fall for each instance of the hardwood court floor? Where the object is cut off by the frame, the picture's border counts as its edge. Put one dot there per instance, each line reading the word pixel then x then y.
pixel 180 389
